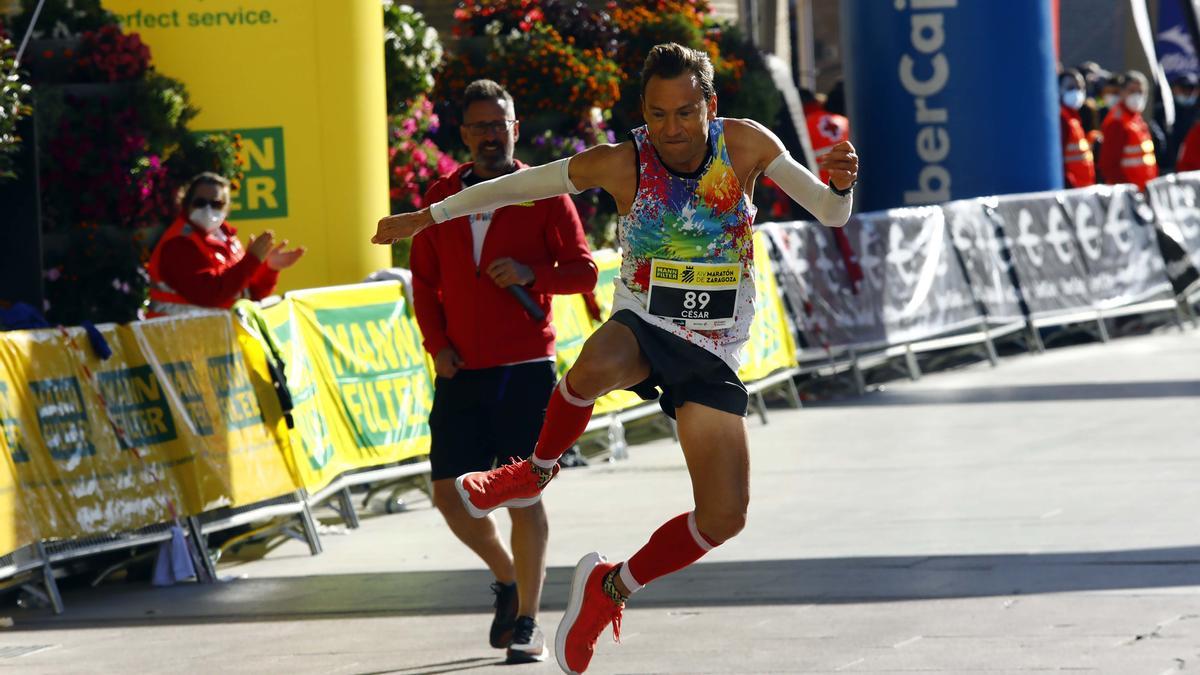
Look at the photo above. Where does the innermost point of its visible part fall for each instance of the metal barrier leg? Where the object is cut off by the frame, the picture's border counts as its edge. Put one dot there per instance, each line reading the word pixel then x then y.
pixel 674 428
pixel 761 404
pixel 200 542
pixel 1184 312
pixel 1102 328
pixel 616 439
pixel 794 393
pixel 310 528
pixel 860 382
pixel 1035 339
pixel 910 358
pixel 345 508
pixel 48 580
pixel 989 346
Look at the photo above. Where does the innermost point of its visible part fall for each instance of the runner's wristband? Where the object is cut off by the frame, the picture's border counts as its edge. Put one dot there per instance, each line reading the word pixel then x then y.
pixel 526 185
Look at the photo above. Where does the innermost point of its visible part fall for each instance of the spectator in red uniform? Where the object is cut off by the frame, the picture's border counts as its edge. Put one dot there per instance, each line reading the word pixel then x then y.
pixel 1127 154
pixel 495 360
pixel 1079 167
pixel 199 261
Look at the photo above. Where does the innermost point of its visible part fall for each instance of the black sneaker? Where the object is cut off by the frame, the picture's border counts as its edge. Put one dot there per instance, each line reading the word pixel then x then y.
pixel 506 614
pixel 528 643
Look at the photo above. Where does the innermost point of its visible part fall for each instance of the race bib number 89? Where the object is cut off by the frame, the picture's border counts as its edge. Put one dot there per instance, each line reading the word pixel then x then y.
pixel 700 296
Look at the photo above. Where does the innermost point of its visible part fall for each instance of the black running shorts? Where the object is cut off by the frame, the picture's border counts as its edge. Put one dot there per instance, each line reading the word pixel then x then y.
pixel 683 371
pixel 483 417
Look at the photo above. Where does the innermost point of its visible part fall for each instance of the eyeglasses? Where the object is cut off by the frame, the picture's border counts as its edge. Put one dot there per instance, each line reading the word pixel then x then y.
pixel 201 202
pixel 481 128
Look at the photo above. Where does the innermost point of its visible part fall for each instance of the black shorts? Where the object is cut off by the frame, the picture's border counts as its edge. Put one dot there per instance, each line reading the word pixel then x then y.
pixel 683 371
pixel 484 417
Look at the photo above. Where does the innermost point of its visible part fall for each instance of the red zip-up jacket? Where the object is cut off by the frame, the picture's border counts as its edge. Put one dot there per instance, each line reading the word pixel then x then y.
pixel 191 268
pixel 457 304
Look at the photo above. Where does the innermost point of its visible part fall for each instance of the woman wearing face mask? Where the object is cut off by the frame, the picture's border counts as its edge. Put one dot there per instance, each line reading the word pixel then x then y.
pixel 1127 155
pixel 1079 168
pixel 199 261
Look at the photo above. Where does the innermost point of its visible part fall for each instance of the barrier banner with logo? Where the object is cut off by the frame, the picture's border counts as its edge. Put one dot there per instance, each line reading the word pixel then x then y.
pixel 214 378
pixel 77 478
pixel 984 257
pixel 910 266
pixel 1176 202
pixel 314 439
pixel 1045 253
pixel 361 381
pixel 16 524
pixel 836 311
pixel 1122 259
pixel 770 347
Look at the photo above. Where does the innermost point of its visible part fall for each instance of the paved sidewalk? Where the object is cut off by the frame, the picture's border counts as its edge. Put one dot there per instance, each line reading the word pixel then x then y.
pixel 1040 516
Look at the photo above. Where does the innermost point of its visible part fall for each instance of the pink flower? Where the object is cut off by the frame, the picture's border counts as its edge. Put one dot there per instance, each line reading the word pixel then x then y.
pixel 446 164
pixel 409 127
pixel 420 157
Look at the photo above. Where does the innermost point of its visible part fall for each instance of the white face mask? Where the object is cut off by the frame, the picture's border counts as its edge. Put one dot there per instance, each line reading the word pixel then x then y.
pixel 1073 98
pixel 1136 102
pixel 207 218
pixel 1111 100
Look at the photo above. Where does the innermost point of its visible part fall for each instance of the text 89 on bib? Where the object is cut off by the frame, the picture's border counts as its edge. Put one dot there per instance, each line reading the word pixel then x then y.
pixel 700 296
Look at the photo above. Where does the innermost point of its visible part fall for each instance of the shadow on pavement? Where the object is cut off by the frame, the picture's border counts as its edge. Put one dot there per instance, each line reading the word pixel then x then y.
pixel 759 582
pixel 1090 391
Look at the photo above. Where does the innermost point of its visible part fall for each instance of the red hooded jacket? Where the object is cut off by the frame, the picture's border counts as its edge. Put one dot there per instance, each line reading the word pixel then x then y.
pixel 457 304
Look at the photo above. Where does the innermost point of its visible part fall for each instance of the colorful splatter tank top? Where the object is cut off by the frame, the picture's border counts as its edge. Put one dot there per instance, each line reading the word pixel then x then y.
pixel 702 217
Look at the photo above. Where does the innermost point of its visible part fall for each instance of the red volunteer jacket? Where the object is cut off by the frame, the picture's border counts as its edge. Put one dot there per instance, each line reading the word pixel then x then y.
pixel 1079 166
pixel 190 268
pixel 825 130
pixel 1127 154
pixel 459 305
pixel 1189 152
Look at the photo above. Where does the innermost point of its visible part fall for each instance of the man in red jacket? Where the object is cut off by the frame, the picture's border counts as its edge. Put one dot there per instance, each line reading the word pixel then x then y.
pixel 1127 153
pixel 199 261
pixel 1079 168
pixel 494 358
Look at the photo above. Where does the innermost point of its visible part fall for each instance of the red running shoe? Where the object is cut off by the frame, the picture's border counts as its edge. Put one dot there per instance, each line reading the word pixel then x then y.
pixel 514 485
pixel 589 611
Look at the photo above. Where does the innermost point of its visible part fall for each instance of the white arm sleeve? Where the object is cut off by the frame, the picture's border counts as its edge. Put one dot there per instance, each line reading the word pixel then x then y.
pixel 526 185
pixel 806 190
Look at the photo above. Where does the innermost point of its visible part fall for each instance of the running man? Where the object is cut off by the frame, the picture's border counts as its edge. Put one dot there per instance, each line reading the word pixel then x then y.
pixel 682 312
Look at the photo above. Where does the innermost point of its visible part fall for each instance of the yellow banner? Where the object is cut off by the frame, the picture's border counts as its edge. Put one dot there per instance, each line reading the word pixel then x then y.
pixel 215 380
pixel 574 326
pixel 608 268
pixel 771 346
pixel 107 446
pixel 77 478
pixel 360 380
pixel 16 525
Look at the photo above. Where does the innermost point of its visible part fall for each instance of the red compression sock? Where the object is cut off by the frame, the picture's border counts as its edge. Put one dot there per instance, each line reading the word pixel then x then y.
pixel 567 415
pixel 671 548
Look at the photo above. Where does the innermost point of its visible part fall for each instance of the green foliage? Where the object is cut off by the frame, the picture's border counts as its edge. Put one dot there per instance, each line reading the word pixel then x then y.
pixel 412 51
pixel 14 96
